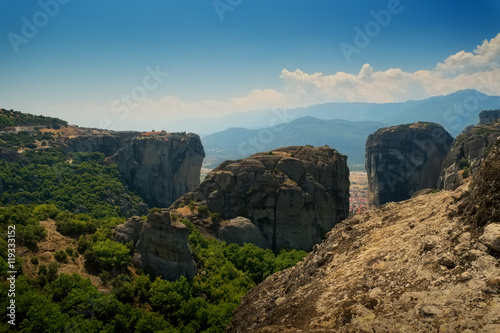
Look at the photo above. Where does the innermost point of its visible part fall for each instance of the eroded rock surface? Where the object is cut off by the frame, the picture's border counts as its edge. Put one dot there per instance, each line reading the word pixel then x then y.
pixel 292 196
pixel 401 160
pixel 163 248
pixel 161 169
pixel 467 152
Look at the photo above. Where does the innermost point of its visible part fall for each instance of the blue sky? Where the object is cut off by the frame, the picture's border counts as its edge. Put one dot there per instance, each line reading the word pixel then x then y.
pixel 263 54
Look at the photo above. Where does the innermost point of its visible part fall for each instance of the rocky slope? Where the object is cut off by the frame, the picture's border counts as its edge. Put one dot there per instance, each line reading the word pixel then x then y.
pixel 288 198
pixel 161 245
pixel 401 160
pixel 163 168
pixel 428 264
pixel 468 151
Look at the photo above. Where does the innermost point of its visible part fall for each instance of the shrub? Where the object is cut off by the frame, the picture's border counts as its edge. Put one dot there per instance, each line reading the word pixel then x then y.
pixel 215 217
pixel 60 255
pixel 108 254
pixel 466 173
pixel 464 162
pixel 203 211
pixel 34 260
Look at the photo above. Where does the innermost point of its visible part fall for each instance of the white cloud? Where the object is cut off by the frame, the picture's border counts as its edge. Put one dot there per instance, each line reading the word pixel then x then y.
pixel 479 70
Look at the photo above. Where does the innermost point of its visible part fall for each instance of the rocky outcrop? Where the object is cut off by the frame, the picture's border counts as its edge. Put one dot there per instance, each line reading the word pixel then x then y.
pixel 162 247
pixel 292 196
pixel 129 231
pixel 481 205
pixel 401 160
pixel 161 169
pixel 468 151
pixel 488 116
pixel 427 264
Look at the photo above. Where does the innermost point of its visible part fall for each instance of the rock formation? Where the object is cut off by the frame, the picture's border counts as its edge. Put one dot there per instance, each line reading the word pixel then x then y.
pixel 428 264
pixel 161 169
pixel 129 231
pixel 292 196
pixel 401 160
pixel 468 151
pixel 162 247
pixel 107 143
pixel 487 116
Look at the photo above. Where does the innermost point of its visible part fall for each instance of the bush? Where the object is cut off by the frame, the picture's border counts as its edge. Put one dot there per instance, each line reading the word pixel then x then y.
pixel 466 173
pixel 215 217
pixel 60 255
pixel 463 163
pixel 203 211
pixel 34 260
pixel 30 234
pixel 108 254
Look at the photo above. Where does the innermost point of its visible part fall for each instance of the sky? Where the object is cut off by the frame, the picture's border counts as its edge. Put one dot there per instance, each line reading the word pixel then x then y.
pixel 150 64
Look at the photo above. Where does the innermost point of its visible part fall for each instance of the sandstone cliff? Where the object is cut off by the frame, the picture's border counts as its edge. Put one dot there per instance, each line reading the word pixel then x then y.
pixel 161 169
pixel 428 264
pixel 401 160
pixel 162 245
pixel 290 196
pixel 468 151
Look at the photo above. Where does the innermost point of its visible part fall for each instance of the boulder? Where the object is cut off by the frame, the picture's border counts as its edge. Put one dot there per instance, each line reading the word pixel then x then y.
pixel 241 230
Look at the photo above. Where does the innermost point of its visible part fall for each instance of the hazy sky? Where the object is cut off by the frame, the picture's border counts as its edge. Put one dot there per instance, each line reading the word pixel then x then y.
pixel 143 64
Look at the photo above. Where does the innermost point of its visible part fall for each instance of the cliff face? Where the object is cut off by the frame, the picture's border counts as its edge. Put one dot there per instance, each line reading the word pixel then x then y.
pixel 107 143
pixel 468 151
pixel 291 196
pixel 403 159
pixel 428 264
pixel 161 169
pixel 162 245
pixel 488 116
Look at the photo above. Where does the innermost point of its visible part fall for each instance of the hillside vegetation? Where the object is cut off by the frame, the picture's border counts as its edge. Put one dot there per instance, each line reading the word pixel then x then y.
pixel 84 198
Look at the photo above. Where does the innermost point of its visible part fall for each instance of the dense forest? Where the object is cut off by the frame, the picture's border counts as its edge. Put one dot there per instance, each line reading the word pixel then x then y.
pixel 86 198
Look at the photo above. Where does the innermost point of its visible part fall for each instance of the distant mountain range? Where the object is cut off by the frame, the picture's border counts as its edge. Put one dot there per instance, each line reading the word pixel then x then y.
pixel 347 137
pixel 343 126
pixel 454 112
